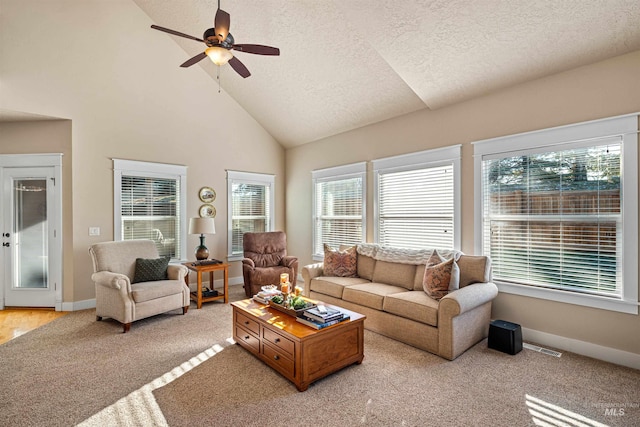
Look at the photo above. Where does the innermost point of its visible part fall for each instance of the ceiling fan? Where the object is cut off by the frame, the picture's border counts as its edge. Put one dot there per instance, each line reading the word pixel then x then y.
pixel 220 42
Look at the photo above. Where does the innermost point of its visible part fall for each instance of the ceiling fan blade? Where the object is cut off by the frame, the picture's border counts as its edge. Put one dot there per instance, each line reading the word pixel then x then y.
pixel 257 49
pixel 176 33
pixel 221 24
pixel 239 67
pixel 199 57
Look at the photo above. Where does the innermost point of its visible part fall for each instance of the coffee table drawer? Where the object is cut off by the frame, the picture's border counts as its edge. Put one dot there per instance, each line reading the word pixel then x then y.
pixel 244 336
pixel 278 360
pixel 279 341
pixel 247 323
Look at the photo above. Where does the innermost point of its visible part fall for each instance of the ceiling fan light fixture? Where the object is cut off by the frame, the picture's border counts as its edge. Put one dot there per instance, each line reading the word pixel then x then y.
pixel 219 55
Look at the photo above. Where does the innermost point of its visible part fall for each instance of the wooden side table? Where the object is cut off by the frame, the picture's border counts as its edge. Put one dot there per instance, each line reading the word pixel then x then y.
pixel 210 268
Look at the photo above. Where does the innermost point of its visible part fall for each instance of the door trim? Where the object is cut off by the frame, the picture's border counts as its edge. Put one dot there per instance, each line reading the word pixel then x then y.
pixel 44 160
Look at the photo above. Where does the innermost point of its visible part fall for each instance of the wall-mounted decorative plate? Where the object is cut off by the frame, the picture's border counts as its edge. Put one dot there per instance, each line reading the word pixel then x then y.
pixel 207 194
pixel 207 211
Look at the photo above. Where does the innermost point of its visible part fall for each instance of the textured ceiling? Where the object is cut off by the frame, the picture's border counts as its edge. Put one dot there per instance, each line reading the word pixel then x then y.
pixel 345 64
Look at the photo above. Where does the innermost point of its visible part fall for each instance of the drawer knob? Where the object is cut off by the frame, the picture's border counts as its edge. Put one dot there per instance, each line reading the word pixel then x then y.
pixel 276 357
pixel 277 340
pixel 246 322
pixel 246 337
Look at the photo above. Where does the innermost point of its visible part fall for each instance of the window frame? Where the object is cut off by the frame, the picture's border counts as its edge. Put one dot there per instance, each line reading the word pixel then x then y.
pixel 151 170
pixel 415 161
pixel 334 174
pixel 563 137
pixel 253 178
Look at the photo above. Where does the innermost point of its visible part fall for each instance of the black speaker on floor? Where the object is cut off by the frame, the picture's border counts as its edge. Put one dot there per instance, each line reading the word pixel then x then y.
pixel 505 336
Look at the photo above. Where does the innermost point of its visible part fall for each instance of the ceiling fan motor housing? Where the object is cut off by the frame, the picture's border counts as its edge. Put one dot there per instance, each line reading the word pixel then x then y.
pixel 211 39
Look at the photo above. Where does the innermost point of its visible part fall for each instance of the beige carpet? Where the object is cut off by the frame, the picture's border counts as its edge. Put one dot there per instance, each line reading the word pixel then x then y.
pixel 184 371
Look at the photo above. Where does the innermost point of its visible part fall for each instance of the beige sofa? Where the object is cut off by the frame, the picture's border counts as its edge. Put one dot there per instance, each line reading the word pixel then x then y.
pixel 388 290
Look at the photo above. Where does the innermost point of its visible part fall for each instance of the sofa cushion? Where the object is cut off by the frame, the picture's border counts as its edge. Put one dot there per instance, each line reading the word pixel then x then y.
pixel 370 294
pixel 437 279
pixel 149 270
pixel 340 263
pixel 414 305
pixel 394 273
pixel 333 286
pixel 147 291
pixel 366 265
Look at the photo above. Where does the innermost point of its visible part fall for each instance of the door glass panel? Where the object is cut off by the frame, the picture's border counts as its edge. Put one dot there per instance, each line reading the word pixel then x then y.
pixel 30 230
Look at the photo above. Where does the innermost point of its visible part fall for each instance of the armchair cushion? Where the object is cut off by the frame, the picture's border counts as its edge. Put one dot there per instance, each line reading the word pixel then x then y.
pixel 150 270
pixel 147 291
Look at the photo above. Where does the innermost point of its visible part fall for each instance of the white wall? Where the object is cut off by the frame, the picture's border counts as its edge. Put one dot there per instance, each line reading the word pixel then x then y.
pixel 98 64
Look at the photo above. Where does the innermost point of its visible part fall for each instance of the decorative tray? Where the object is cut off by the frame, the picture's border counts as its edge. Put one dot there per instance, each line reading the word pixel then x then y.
pixel 291 311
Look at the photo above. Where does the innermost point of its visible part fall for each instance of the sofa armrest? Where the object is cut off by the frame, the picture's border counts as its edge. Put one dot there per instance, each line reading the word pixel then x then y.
pixel 177 271
pixel 112 280
pixel 289 261
pixel 467 298
pixel 309 272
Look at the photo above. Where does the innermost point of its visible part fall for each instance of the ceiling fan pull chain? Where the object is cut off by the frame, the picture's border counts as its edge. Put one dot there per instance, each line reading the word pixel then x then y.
pixel 218 71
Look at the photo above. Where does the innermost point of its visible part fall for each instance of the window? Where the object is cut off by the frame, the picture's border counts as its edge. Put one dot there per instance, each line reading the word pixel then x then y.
pixel 338 207
pixel 250 207
pixel 417 199
pixel 150 203
pixel 555 209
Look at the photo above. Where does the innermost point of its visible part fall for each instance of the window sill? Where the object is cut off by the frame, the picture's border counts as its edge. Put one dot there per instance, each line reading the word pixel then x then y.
pixel 621 306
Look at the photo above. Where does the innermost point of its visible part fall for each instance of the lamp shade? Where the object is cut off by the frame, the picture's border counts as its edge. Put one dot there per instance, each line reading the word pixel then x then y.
pixel 202 226
pixel 218 55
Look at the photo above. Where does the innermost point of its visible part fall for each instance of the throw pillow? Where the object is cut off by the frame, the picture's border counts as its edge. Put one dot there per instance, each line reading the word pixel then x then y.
pixel 340 263
pixel 437 278
pixel 435 259
pixel 149 270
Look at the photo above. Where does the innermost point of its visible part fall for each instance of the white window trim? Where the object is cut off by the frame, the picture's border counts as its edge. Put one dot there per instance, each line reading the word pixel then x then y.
pixel 153 170
pixel 336 173
pixel 429 158
pixel 247 178
pixel 625 127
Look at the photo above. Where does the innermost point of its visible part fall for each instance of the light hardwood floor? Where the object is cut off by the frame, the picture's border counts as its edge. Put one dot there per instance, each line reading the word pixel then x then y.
pixel 17 321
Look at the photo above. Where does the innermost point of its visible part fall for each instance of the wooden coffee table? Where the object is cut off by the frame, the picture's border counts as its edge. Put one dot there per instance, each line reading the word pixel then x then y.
pixel 298 352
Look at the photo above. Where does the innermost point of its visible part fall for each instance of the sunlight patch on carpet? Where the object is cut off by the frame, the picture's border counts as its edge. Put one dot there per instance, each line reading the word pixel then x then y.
pixel 140 407
pixel 549 415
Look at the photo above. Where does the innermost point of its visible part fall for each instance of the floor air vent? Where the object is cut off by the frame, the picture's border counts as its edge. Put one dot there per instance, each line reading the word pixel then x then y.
pixel 542 350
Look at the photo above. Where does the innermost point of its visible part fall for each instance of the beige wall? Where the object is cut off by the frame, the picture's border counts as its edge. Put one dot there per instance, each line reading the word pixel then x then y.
pixel 50 137
pixel 600 90
pixel 98 64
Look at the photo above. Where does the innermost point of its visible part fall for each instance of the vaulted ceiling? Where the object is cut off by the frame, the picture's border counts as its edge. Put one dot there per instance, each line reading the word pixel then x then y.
pixel 348 63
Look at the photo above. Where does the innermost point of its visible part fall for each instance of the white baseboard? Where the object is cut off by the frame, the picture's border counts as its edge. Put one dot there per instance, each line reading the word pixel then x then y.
pixel 79 305
pixel 608 354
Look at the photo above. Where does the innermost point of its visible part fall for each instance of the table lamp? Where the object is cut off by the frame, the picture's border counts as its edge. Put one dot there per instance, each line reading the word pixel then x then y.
pixel 202 226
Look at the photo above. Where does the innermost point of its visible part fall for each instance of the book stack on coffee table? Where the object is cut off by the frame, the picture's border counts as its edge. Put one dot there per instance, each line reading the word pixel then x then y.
pixel 321 316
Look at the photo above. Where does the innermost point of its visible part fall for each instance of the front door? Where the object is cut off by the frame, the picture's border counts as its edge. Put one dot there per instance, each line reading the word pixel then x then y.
pixel 30 254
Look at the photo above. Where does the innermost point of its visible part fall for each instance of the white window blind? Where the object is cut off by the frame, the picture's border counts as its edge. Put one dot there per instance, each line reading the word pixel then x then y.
pixel 416 200
pixel 339 210
pixel 553 218
pixel 557 212
pixel 250 206
pixel 149 205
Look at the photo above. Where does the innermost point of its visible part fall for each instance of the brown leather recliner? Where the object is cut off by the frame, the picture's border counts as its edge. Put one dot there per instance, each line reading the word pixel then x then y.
pixel 265 258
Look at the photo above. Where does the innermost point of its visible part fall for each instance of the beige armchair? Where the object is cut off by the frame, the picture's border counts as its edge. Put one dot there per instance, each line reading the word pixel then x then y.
pixel 114 266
